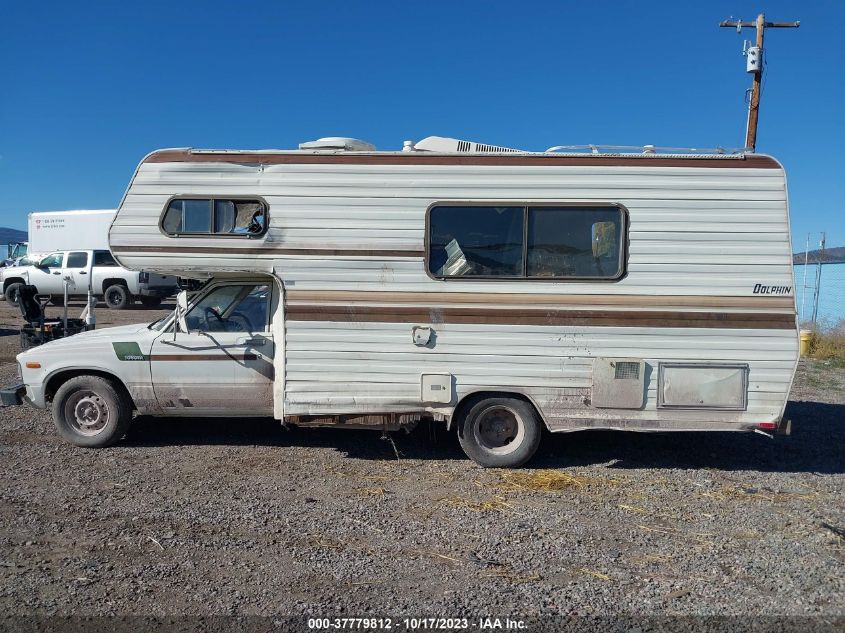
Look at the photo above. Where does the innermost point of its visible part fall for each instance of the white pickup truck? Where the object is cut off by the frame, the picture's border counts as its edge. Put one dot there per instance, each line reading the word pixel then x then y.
pixel 118 286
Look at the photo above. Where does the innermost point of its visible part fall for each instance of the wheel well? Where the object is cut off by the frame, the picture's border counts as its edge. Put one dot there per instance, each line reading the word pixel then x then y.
pixel 112 281
pixel 471 398
pixel 10 281
pixel 60 378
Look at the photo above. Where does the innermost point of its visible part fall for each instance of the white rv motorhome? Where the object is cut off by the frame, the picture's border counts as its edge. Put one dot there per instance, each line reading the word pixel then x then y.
pixel 501 292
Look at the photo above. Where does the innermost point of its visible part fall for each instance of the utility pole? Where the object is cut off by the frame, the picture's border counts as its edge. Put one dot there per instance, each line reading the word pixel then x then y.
pixel 754 65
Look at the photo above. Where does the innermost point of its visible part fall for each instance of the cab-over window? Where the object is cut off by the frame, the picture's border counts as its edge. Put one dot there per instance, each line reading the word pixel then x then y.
pixel 215 216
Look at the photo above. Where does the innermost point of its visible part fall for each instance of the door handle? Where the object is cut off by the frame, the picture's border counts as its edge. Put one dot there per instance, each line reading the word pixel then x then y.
pixel 255 342
pixel 57 272
pixel 82 272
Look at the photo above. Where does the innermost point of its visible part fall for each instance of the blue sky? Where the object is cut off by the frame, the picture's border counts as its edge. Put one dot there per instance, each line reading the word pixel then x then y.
pixel 88 88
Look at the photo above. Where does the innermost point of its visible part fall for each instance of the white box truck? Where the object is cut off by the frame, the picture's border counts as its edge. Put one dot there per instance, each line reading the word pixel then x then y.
pixel 87 229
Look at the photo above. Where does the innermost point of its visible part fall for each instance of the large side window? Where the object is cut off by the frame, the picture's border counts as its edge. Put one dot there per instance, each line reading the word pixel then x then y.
pixel 577 242
pixel 214 216
pixel 526 242
pixel 474 241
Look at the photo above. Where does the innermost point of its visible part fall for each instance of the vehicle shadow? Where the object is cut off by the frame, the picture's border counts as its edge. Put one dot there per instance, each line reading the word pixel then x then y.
pixel 8 332
pixel 816 444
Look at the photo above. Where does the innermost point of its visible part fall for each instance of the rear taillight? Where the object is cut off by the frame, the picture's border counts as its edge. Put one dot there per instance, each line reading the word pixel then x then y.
pixel 767 426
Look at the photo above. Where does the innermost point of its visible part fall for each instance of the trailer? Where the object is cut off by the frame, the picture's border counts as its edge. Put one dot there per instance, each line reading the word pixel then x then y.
pixel 498 291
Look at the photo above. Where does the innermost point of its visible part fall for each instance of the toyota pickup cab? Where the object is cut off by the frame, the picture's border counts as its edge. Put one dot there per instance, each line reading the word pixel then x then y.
pixel 212 358
pixel 118 286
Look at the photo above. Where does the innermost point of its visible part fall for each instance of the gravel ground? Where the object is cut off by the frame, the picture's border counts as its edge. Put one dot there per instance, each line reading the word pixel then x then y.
pixel 239 517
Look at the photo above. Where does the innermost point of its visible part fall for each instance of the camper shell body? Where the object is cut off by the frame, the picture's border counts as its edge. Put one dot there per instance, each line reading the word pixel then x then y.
pixel 679 316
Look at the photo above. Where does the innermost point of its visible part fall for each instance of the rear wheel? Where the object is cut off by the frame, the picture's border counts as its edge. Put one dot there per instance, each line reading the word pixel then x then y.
pixel 151 302
pixel 500 432
pixel 116 297
pixel 90 411
pixel 57 300
pixel 11 293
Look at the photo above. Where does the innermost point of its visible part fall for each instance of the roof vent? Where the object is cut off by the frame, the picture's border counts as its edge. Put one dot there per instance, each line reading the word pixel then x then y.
pixel 339 143
pixel 443 144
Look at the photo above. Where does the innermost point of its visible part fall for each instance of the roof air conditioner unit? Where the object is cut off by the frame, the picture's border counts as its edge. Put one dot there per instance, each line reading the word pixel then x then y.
pixel 339 143
pixel 452 145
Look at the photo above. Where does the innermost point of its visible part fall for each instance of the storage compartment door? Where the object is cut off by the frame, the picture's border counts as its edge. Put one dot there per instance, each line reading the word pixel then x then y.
pixel 702 386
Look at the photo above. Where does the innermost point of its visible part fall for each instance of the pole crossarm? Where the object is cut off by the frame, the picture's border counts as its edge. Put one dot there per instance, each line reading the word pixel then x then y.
pixel 752 25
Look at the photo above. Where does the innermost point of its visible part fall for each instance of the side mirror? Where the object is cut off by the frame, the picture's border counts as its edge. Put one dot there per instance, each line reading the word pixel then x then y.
pixel 182 310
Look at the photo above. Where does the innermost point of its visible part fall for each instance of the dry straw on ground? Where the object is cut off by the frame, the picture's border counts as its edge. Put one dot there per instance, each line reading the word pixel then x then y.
pixel 828 341
pixel 547 480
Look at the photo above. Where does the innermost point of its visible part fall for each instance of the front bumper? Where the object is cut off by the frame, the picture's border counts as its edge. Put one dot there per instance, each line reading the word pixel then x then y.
pixel 13 395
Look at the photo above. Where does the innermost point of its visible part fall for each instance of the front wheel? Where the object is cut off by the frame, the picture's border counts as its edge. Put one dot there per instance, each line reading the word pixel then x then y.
pixel 500 432
pixel 116 297
pixel 11 293
pixel 89 411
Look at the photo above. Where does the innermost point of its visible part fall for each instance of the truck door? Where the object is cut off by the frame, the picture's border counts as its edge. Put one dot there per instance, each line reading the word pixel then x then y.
pixel 76 270
pixel 47 275
pixel 224 364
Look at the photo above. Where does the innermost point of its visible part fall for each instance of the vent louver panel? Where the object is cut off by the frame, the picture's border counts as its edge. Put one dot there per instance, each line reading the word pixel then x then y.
pixel 625 369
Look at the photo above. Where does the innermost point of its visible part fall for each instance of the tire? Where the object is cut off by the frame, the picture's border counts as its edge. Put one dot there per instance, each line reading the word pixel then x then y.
pixel 90 412
pixel 11 293
pixel 499 432
pixel 116 297
pixel 57 300
pixel 151 302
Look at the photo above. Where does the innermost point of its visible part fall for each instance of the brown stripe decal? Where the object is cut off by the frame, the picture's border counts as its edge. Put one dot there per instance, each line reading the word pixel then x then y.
pixel 537 300
pixel 265 250
pixel 187 156
pixel 199 357
pixel 593 318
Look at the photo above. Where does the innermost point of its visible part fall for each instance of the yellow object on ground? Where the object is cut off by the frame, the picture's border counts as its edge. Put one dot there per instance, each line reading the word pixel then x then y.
pixel 804 338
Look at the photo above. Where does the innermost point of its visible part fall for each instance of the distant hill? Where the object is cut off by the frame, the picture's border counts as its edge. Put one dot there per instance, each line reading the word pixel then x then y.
pixel 10 235
pixel 831 256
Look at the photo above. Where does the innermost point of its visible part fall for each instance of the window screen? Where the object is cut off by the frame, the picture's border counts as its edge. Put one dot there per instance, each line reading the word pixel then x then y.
pixel 77 260
pixel 469 241
pixel 214 216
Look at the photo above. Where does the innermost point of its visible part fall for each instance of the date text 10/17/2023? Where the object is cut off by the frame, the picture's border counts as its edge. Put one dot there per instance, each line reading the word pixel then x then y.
pixel 416 624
